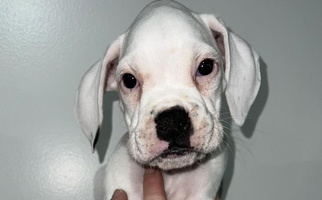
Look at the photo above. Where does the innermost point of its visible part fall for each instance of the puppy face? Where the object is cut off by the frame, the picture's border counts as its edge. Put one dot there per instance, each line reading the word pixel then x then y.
pixel 171 68
pixel 170 80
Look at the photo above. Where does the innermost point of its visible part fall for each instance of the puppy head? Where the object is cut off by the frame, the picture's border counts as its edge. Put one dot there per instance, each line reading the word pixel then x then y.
pixel 171 68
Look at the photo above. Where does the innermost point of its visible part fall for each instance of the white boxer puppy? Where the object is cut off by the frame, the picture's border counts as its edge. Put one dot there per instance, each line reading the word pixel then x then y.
pixel 171 68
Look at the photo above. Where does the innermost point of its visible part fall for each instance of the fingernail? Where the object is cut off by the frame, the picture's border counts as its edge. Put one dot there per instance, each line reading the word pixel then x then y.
pixel 150 170
pixel 117 193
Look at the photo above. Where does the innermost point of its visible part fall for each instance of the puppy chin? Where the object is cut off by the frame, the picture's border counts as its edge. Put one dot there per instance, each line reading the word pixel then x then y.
pixel 173 162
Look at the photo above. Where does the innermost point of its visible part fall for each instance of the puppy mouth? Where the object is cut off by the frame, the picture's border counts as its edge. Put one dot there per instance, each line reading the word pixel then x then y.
pixel 175 153
pixel 176 158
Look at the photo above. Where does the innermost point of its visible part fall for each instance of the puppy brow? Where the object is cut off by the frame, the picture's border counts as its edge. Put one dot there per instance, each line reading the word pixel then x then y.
pixel 205 51
pixel 210 55
pixel 125 67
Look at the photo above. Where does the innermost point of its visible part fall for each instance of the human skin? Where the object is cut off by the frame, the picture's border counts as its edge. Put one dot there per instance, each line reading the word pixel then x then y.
pixel 153 187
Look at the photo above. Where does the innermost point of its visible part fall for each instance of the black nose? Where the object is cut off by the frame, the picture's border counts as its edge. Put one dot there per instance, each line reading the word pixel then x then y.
pixel 174 126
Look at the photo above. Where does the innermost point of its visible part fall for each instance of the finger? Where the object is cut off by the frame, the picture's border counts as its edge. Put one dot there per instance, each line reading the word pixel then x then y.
pixel 153 186
pixel 119 195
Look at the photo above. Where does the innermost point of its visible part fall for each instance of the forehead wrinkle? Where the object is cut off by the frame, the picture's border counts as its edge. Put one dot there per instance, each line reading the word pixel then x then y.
pixel 167 70
pixel 126 64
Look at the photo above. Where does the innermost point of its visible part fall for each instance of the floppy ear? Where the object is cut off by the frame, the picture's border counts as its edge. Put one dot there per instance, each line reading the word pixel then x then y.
pixel 242 70
pixel 97 80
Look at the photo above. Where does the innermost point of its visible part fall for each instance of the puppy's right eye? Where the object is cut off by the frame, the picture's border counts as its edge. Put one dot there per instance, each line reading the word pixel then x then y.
pixel 205 67
pixel 129 81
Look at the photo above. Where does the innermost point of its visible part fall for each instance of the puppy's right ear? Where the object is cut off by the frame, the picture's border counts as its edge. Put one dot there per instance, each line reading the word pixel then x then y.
pixel 242 68
pixel 99 79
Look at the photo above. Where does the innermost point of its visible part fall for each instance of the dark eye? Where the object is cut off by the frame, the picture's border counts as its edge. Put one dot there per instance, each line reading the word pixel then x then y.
pixel 205 67
pixel 129 81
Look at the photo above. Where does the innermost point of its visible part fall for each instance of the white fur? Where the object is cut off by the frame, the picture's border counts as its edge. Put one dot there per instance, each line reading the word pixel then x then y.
pixel 162 49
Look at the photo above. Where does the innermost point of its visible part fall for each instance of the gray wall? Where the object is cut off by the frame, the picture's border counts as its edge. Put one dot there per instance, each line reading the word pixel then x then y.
pixel 46 46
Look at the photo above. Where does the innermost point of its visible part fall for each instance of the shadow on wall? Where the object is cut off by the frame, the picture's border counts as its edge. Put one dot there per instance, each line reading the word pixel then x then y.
pixel 247 129
pixel 106 129
pixel 103 144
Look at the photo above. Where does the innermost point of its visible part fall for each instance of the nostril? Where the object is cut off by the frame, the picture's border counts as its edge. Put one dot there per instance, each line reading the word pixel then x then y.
pixel 174 125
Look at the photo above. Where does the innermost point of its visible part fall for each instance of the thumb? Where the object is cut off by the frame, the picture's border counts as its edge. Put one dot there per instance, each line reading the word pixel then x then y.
pixel 153 185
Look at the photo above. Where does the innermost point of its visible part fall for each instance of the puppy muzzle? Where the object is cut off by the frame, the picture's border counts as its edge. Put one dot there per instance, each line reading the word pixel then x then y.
pixel 174 131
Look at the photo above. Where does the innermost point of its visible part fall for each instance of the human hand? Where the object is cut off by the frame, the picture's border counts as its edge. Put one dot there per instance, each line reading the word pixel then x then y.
pixel 153 187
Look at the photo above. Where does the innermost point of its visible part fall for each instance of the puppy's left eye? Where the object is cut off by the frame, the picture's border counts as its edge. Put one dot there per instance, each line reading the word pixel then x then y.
pixel 205 67
pixel 129 81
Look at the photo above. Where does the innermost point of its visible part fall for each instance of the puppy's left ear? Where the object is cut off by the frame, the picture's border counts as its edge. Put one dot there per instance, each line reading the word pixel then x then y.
pixel 242 70
pixel 99 79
